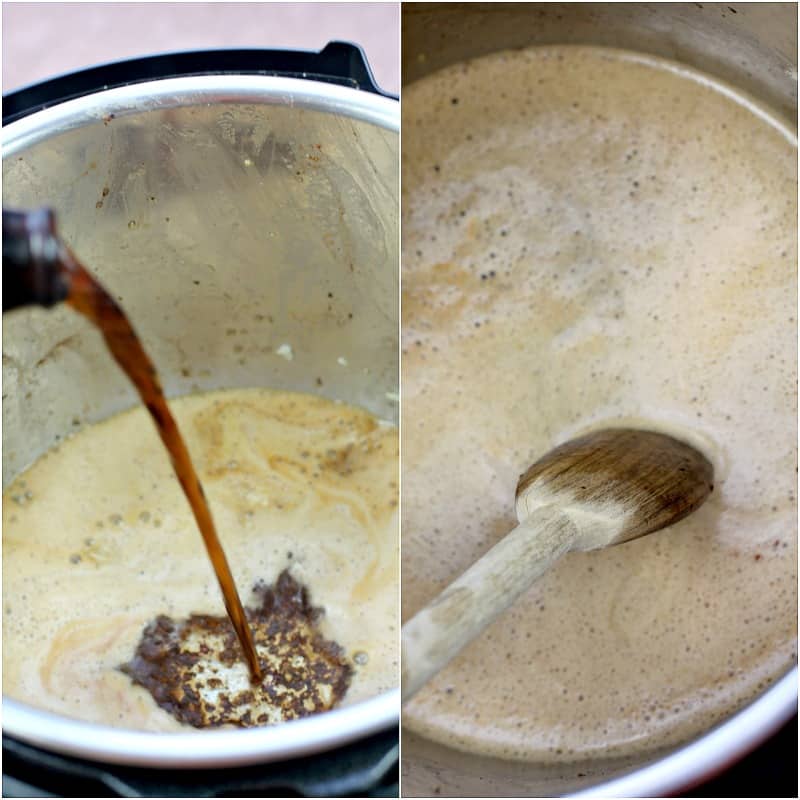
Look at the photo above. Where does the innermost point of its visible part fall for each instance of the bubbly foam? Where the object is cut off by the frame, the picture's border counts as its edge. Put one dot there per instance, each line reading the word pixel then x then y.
pixel 98 540
pixel 592 236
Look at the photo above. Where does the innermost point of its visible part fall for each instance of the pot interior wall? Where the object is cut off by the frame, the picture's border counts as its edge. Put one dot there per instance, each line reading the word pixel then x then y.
pixel 427 766
pixel 251 245
pixel 751 46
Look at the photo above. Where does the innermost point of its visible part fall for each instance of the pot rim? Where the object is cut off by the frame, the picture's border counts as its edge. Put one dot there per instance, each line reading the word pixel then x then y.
pixel 167 93
pixel 709 755
pixel 200 748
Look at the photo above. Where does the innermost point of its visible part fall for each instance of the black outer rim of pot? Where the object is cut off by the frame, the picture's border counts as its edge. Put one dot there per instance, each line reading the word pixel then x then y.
pixel 339 63
pixel 367 768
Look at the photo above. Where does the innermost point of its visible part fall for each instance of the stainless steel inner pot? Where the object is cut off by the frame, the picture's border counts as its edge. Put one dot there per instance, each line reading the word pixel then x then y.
pixel 232 215
pixel 752 46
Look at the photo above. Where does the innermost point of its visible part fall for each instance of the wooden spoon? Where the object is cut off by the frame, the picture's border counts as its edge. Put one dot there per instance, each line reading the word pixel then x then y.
pixel 604 488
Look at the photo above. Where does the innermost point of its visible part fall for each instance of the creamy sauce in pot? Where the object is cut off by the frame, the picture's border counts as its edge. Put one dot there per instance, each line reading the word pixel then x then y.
pixel 590 237
pixel 98 539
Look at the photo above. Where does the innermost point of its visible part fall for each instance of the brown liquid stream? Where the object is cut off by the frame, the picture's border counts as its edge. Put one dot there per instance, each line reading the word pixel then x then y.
pixel 89 298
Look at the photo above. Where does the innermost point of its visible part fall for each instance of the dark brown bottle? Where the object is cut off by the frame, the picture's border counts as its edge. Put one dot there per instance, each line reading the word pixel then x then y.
pixel 40 269
pixel 34 260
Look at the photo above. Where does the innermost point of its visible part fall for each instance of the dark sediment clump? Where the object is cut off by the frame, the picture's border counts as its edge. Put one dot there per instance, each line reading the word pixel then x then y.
pixel 194 668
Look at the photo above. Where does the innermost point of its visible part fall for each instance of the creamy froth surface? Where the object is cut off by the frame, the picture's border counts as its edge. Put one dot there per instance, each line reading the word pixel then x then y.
pixel 589 237
pixel 98 540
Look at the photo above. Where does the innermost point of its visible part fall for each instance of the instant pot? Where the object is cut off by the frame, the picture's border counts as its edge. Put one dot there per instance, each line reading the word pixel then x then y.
pixel 234 201
pixel 752 46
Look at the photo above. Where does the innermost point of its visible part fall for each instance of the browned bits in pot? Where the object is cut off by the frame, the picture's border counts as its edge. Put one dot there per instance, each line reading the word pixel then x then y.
pixel 193 668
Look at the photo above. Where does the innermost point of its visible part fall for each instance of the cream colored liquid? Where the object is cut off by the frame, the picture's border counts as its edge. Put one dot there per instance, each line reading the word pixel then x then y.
pixel 98 539
pixel 592 237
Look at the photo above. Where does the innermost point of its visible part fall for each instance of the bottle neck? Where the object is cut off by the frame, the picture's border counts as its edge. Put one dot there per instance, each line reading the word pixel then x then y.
pixel 34 268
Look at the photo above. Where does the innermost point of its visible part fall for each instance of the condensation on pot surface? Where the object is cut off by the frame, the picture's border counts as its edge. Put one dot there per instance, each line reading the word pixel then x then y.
pixel 228 230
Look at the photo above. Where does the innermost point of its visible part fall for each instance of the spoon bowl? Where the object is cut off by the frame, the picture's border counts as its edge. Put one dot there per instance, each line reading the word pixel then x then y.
pixel 601 489
pixel 617 484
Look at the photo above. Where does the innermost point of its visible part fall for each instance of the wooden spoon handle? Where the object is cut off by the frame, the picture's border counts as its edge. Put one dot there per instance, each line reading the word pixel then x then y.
pixel 439 631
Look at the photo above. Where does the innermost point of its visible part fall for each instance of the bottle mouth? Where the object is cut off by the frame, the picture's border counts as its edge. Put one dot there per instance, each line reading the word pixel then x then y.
pixel 35 261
